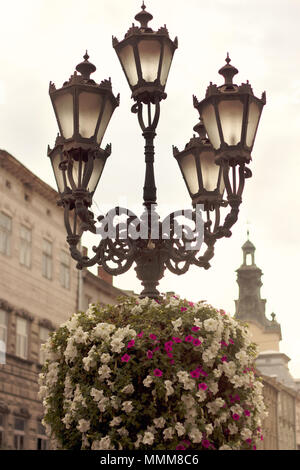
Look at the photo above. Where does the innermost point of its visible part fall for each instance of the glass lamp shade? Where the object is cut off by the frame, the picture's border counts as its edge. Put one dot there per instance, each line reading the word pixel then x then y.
pixel 202 176
pixel 83 108
pixel 231 116
pixel 77 169
pixel 146 57
pixel 59 166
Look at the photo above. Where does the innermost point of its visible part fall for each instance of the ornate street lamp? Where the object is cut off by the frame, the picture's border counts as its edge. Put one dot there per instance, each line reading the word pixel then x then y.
pixel 229 115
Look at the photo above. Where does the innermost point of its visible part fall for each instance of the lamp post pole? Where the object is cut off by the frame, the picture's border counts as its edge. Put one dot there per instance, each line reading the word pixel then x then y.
pixel 212 164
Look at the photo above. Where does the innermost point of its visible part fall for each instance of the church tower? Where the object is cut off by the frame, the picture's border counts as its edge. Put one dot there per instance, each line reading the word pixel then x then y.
pixel 250 307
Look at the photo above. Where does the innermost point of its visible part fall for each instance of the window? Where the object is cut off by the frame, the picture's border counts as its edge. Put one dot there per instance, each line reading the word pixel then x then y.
pixel 5 234
pixel 19 433
pixel 3 326
pixel 22 338
pixel 47 259
pixel 44 335
pixel 65 269
pixel 1 431
pixel 42 441
pixel 25 246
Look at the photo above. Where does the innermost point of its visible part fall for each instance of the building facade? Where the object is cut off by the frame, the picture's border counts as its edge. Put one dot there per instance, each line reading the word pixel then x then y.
pixel 40 288
pixel 280 389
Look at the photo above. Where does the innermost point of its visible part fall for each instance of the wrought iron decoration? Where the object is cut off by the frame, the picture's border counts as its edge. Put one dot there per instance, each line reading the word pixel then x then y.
pixel 210 166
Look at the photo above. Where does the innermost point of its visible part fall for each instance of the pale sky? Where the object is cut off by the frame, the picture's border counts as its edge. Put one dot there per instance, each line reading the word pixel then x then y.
pixel 43 40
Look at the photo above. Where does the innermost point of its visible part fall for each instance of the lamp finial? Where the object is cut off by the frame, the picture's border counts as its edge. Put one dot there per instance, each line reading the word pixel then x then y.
pixel 228 71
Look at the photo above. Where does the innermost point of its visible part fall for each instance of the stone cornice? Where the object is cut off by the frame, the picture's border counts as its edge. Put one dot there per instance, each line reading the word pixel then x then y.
pixel 25 176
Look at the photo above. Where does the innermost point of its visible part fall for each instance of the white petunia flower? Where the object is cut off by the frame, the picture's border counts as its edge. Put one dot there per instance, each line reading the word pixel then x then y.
pixel 148 381
pixel 104 372
pixel 103 444
pixel 177 324
pixel 195 435
pixel 97 394
pixel 129 389
pixel 127 406
pixel 168 433
pixel 105 358
pixel 209 429
pixel 246 434
pixel 233 429
pixel 169 388
pixel 148 438
pixel 210 324
pixel 123 432
pixel 180 429
pixel 115 421
pixel 83 425
pixel 159 422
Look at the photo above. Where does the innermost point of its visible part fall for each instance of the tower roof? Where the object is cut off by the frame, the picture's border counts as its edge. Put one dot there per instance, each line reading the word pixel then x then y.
pixel 248 245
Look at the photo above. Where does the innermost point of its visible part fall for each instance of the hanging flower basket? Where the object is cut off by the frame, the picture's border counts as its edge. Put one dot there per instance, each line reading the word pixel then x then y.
pixel 148 375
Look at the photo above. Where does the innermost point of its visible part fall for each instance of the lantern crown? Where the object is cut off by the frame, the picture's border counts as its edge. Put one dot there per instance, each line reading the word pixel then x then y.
pixel 228 71
pixel 146 56
pixel 143 17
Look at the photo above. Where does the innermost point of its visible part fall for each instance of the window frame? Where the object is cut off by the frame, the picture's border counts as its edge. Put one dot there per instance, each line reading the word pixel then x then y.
pixel 19 336
pixel 25 253
pixel 19 435
pixel 65 270
pixel 5 235
pixel 47 259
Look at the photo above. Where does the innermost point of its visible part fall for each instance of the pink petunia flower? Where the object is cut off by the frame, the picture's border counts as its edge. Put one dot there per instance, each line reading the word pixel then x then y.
pixel 254 447
pixel 183 309
pixel 195 374
pixel 195 328
pixel 130 344
pixel 157 373
pixel 247 413
pixel 152 336
pixel 191 304
pixel 202 372
pixel 140 335
pixel 176 339
pixel 231 341
pixel 180 447
pixel 125 358
pixel 169 345
pixel 223 343
pixel 248 441
pixel 224 359
pixel 261 437
pixel 196 342
pixel 188 339
pixel 202 386
pixel 235 417
pixel 172 361
pixel 236 397
pixel 169 354
pixel 149 354
pixel 205 443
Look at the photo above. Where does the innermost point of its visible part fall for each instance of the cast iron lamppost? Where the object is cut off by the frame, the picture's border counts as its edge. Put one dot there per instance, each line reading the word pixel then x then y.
pixel 211 166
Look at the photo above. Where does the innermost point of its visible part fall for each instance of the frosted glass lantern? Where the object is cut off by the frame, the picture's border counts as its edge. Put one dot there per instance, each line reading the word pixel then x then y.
pixel 202 176
pixel 231 115
pixel 83 108
pixel 146 57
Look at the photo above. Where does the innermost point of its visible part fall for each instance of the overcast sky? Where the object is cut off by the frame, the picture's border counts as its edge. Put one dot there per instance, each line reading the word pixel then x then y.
pixel 43 40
